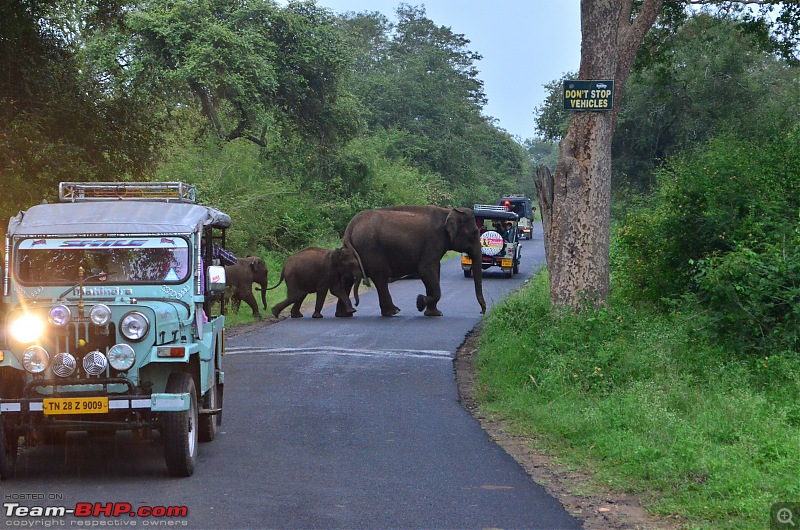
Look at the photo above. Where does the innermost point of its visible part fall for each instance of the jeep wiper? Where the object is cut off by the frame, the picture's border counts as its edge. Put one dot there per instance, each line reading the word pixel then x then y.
pixel 96 273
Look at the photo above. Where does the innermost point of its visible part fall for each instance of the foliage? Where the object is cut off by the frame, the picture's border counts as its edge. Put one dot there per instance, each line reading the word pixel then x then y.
pixel 57 120
pixel 419 81
pixel 542 152
pixel 753 296
pixel 709 77
pixel 253 67
pixel 552 121
pixel 722 225
pixel 648 404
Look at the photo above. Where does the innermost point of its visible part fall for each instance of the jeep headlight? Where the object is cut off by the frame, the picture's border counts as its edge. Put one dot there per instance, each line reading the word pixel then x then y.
pixel 60 316
pixel 121 357
pixel 35 359
pixel 134 326
pixel 27 328
pixel 100 315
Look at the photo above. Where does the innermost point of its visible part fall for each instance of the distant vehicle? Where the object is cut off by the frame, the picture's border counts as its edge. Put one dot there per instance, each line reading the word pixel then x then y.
pixel 523 207
pixel 110 324
pixel 499 240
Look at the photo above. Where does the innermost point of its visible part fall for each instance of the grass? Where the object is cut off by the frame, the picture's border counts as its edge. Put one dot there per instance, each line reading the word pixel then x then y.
pixel 649 405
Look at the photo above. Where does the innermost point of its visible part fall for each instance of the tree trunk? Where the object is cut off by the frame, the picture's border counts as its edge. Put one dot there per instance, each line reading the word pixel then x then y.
pixel 544 193
pixel 580 216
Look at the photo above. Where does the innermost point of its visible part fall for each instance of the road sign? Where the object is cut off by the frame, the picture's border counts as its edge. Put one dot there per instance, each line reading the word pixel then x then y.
pixel 589 95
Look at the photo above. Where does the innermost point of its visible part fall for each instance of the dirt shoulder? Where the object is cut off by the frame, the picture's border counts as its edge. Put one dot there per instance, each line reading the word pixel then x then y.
pixel 598 510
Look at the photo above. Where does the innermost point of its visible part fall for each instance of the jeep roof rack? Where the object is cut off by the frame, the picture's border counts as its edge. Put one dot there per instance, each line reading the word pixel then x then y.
pixel 491 207
pixel 128 191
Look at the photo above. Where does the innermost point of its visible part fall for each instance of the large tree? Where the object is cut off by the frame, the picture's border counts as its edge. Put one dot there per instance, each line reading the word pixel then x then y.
pixel 576 200
pixel 419 81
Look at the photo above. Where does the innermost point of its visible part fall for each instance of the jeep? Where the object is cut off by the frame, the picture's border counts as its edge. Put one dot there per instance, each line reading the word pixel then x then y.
pixel 108 319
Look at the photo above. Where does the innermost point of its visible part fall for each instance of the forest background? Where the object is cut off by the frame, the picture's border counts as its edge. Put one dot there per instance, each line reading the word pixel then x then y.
pixel 293 118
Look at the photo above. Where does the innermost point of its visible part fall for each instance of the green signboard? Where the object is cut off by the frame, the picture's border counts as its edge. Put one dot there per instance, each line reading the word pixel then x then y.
pixel 589 95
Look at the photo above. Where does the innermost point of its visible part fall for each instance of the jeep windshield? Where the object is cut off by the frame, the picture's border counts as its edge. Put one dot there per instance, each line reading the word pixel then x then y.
pixel 112 260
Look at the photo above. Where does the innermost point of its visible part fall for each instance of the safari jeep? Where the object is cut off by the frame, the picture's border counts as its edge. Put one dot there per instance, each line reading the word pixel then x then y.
pixel 500 244
pixel 108 324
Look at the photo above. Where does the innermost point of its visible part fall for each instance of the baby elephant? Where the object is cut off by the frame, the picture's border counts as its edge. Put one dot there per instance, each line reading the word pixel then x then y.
pixel 317 270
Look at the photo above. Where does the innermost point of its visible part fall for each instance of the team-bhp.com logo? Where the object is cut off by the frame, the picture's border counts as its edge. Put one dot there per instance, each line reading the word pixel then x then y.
pixel 96 510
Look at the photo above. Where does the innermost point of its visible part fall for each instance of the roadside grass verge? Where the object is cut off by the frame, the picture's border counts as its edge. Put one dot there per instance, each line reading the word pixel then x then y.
pixel 649 406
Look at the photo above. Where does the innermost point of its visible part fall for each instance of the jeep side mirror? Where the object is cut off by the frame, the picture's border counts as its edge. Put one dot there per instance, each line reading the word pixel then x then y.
pixel 215 279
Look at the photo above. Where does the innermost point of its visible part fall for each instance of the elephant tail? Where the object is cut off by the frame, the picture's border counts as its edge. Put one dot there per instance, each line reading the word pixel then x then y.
pixel 347 243
pixel 276 285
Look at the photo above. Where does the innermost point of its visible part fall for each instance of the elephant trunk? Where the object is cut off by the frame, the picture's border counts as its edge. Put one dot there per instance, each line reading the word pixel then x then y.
pixel 264 295
pixel 355 290
pixel 477 275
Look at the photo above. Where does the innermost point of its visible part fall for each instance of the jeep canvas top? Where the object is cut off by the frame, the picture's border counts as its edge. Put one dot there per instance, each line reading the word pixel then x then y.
pixel 109 323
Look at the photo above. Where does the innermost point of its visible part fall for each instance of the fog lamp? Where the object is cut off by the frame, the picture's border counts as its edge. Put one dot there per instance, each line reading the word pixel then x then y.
pixel 35 359
pixel 121 357
pixel 60 315
pixel 100 315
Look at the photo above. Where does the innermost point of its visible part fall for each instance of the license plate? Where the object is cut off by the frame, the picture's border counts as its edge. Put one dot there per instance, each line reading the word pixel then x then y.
pixel 92 405
pixel 506 263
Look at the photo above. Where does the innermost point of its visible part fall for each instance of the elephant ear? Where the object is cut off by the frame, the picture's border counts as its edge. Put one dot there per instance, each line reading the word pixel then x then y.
pixel 454 222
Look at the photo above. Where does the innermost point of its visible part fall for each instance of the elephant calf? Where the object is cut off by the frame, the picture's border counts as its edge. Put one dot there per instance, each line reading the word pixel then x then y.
pixel 317 270
pixel 239 279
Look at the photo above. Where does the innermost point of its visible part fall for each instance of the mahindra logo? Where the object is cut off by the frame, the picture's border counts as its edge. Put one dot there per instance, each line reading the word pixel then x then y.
pixel 105 291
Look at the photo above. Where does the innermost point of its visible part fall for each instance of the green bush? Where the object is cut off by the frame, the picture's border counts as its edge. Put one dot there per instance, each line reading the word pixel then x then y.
pixel 754 296
pixel 722 226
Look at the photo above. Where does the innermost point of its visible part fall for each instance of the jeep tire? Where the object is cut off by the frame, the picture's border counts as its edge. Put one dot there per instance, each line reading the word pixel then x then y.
pixel 208 422
pixel 180 429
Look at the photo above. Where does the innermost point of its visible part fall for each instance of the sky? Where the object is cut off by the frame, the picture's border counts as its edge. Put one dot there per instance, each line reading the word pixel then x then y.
pixel 524 44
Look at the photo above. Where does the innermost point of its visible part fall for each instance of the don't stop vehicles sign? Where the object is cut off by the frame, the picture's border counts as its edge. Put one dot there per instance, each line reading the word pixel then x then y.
pixel 589 95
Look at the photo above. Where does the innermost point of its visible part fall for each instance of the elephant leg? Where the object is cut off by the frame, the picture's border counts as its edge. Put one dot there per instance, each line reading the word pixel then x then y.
pixel 433 292
pixel 388 308
pixel 342 309
pixel 248 298
pixel 280 306
pixel 321 295
pixel 296 307
pixel 343 300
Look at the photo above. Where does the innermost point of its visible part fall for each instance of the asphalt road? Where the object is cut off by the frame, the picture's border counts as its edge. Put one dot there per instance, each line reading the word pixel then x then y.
pixel 328 423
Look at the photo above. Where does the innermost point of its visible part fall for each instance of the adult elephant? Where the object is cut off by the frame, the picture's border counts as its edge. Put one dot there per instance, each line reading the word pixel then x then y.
pixel 239 280
pixel 401 240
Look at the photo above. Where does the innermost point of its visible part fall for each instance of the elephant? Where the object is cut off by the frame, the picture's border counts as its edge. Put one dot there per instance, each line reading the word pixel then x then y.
pixel 317 270
pixel 397 241
pixel 239 280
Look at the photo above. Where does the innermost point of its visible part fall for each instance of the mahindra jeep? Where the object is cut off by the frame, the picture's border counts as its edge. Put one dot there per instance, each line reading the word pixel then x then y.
pixel 108 319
